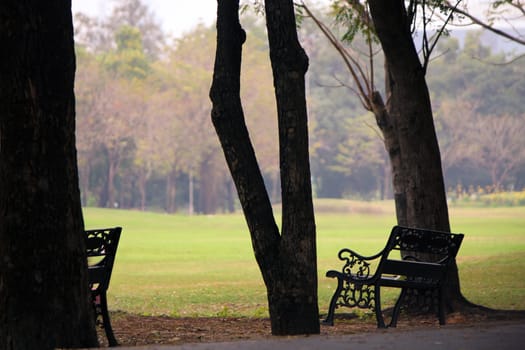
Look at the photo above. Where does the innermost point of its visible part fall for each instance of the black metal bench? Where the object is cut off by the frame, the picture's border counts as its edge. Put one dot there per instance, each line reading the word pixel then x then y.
pixel 361 278
pixel 101 247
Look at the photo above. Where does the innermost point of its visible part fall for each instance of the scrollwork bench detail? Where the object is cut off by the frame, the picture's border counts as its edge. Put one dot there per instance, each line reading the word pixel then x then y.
pixel 361 278
pixel 101 247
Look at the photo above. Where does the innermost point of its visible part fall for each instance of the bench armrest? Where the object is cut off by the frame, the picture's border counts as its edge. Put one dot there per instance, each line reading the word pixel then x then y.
pixel 357 266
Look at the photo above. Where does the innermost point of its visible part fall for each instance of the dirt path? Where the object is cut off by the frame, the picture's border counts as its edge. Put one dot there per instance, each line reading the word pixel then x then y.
pixel 134 330
pixel 490 336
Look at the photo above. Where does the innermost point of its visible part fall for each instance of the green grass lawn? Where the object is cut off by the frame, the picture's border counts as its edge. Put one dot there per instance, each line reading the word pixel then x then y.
pixel 204 265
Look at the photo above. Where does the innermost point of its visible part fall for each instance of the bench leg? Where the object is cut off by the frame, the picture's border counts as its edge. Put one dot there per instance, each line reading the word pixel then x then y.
pixel 377 307
pixel 441 306
pixel 329 320
pixel 106 322
pixel 397 308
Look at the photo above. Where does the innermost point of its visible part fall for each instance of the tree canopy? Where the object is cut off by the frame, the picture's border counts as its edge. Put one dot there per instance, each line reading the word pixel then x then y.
pixel 165 144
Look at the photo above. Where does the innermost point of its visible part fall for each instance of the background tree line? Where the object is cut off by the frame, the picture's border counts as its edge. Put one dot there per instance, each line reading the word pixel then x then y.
pixel 144 139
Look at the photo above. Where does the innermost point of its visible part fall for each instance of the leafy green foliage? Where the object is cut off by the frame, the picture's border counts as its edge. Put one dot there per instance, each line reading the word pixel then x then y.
pixel 355 20
pixel 496 199
pixel 474 73
pixel 129 60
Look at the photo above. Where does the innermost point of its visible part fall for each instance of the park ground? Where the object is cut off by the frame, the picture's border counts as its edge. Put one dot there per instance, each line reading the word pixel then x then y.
pixel 152 331
pixel 177 279
pixel 501 336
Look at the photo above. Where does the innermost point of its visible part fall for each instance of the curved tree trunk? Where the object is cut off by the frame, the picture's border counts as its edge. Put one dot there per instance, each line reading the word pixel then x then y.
pixel 44 293
pixel 386 124
pixel 410 109
pixel 287 261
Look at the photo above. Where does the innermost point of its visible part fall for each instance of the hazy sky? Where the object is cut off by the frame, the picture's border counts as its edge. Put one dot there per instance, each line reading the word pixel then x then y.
pixel 176 16
pixel 180 16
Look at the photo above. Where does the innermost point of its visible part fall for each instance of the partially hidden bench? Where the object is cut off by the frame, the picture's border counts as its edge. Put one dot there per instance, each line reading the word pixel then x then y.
pixel 101 247
pixel 398 265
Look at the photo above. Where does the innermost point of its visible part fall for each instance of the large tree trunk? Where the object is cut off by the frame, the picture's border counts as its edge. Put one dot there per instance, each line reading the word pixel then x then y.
pixel 410 109
pixel 288 261
pixel 44 293
pixel 409 106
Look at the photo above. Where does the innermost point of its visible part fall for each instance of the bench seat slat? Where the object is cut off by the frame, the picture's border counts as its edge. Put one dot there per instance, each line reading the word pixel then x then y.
pixel 413 268
pixel 404 283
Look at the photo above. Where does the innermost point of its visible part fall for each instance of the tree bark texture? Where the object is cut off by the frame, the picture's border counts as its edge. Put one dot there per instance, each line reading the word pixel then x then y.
pixel 287 260
pixel 409 107
pixel 228 120
pixel 298 247
pixel 390 139
pixel 44 294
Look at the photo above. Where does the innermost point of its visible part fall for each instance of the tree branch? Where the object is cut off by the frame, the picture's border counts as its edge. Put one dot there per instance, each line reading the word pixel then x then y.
pixel 438 35
pixel 356 71
pixel 483 24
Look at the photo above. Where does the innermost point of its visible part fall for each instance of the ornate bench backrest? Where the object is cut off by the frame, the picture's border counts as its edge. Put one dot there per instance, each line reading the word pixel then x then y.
pixel 101 248
pixel 423 253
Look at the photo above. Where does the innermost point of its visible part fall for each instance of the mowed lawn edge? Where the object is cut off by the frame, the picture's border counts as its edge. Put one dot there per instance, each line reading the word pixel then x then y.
pixel 203 265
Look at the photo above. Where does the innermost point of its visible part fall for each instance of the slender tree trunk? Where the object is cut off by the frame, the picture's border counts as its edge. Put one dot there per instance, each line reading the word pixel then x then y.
pixel 171 191
pixel 191 201
pixel 208 194
pixel 298 246
pixel 44 293
pixel 112 169
pixel 230 196
pixel 387 125
pixel 387 181
pixel 287 262
pixel 229 123
pixel 103 199
pixel 85 181
pixel 276 186
pixel 142 188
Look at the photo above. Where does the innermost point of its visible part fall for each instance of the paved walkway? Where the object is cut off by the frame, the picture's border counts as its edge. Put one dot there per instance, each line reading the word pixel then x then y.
pixel 492 336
